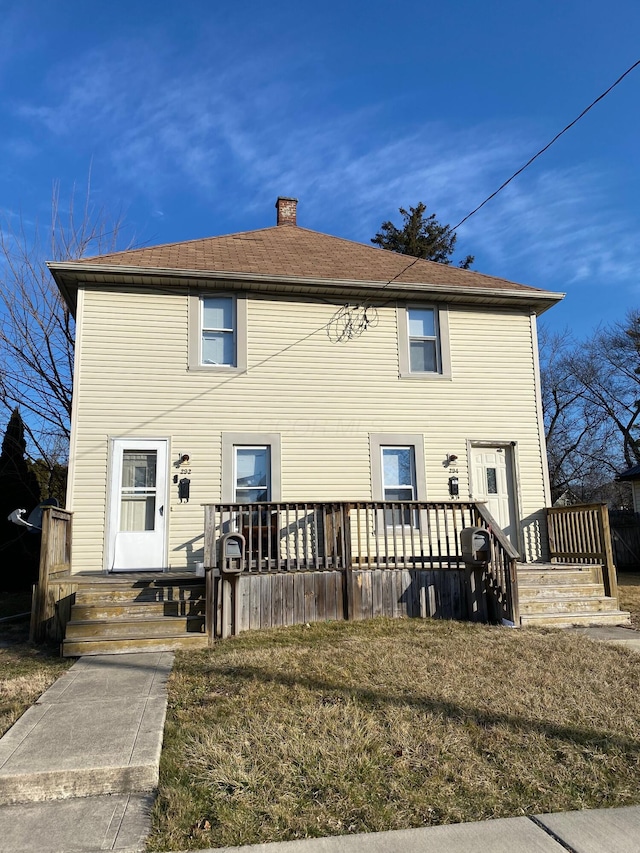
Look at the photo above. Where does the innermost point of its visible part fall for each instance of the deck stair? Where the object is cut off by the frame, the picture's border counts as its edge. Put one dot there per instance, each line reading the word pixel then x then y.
pixel 563 595
pixel 136 613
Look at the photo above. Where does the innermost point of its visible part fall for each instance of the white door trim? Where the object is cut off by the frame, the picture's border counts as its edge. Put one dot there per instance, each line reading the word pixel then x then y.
pixel 116 447
pixel 511 448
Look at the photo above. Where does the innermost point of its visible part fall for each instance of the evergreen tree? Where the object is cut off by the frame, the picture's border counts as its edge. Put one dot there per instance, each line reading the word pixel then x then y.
pixel 421 236
pixel 19 549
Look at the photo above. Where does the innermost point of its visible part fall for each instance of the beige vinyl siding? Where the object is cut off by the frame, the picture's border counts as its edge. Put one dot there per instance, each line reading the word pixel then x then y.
pixel 324 399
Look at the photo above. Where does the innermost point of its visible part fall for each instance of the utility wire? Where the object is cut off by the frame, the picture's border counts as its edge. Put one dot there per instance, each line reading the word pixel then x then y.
pixel 548 145
pixel 528 163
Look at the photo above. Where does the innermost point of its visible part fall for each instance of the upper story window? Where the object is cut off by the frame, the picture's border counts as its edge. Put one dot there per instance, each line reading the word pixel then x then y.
pixel 423 338
pixel 217 332
pixel 424 352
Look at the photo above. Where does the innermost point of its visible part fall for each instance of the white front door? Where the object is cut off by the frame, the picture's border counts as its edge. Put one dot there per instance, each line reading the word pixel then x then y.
pixel 492 481
pixel 137 517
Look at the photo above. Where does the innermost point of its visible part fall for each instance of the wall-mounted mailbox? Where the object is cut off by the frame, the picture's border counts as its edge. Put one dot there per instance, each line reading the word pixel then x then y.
pixel 476 546
pixel 232 553
pixel 454 487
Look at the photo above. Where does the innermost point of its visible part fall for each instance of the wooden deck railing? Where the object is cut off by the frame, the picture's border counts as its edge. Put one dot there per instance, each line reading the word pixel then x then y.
pixel 363 535
pixel 502 572
pixel 581 534
pixel 52 594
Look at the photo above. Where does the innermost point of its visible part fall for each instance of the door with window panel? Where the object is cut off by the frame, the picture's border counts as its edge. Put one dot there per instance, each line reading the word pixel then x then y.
pixel 137 526
pixel 492 478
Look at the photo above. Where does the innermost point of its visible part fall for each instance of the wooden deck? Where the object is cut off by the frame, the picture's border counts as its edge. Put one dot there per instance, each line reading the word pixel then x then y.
pixel 312 561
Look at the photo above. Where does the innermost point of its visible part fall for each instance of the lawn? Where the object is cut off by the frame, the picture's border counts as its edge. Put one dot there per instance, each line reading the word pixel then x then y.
pixel 629 595
pixel 341 728
pixel 25 670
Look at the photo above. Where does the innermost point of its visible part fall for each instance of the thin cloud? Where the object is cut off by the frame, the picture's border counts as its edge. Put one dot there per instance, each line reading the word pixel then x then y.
pixel 242 132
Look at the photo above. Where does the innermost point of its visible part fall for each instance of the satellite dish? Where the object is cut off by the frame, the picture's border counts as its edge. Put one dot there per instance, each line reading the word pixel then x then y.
pixel 34 522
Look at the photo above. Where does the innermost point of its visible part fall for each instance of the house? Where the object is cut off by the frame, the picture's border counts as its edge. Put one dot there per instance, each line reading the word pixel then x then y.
pixel 632 475
pixel 287 366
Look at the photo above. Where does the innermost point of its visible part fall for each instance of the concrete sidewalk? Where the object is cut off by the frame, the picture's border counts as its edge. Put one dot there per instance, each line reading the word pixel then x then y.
pixel 78 769
pixel 614 635
pixel 598 831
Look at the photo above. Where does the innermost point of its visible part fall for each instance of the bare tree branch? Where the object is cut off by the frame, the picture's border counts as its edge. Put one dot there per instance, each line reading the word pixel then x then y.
pixel 37 331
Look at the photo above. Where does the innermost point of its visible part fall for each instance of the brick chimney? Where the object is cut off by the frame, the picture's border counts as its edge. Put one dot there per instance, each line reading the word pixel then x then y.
pixel 286 208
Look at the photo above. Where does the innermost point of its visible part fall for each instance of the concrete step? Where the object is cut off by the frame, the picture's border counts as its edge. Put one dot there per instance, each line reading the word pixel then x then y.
pixel 131 593
pixel 160 626
pixel 137 609
pixel 565 620
pixel 574 604
pixel 528 592
pixel 125 645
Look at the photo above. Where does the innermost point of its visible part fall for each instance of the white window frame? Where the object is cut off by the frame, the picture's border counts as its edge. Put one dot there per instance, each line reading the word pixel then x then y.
pixel 397 486
pixel 443 354
pixel 236 448
pixel 232 440
pixel 196 330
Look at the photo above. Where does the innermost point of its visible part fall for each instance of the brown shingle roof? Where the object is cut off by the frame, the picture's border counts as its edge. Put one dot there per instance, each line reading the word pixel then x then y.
pixel 294 252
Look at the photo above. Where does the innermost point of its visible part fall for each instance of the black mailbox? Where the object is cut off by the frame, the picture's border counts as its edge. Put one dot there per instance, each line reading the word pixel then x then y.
pixel 476 545
pixel 232 553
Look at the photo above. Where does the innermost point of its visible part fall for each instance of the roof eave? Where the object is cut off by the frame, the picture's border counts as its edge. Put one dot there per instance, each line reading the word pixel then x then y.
pixel 68 275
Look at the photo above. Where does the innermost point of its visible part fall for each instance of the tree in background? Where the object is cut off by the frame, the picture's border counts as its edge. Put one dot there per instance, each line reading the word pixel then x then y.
pixel 36 328
pixel 421 236
pixel 591 402
pixel 19 489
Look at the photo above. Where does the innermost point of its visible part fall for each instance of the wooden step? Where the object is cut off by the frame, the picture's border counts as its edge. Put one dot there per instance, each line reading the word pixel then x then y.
pixel 161 626
pixel 564 620
pixel 556 577
pixel 538 593
pixel 137 609
pixel 575 604
pixel 124 645
pixel 131 593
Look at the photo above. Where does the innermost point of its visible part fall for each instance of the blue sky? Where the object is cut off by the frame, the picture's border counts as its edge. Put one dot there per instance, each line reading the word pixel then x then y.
pixel 194 116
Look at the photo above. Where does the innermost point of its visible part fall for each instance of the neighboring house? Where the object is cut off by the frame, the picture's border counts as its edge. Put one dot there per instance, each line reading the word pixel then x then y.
pixel 632 475
pixel 214 361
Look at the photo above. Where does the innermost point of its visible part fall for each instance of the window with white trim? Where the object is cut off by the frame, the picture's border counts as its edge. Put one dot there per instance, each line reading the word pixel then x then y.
pixel 252 474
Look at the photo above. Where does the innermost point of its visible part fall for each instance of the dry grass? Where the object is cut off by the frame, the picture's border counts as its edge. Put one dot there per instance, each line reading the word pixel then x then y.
pixel 629 595
pixel 25 670
pixel 342 728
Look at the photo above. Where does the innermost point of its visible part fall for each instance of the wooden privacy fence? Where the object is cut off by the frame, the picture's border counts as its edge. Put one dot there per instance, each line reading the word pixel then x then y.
pixel 353 560
pixel 581 534
pixel 625 537
pixel 52 595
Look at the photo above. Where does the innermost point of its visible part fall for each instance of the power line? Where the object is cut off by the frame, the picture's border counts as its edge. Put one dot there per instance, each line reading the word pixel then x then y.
pixel 349 322
pixel 548 145
pixel 528 163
